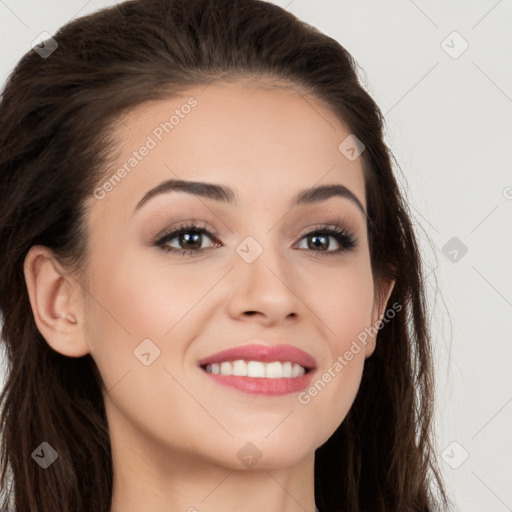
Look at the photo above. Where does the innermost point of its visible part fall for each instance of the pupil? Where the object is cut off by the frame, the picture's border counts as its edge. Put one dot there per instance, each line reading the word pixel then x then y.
pixel 188 238
pixel 325 242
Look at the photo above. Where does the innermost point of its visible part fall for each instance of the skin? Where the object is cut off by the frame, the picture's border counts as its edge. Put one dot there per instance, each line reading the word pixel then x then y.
pixel 176 433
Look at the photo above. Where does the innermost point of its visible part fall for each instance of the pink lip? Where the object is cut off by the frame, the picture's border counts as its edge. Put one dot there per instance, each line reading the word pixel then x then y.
pixel 264 353
pixel 264 386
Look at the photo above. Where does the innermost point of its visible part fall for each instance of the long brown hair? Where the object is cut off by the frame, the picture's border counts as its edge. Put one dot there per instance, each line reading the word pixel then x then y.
pixel 55 116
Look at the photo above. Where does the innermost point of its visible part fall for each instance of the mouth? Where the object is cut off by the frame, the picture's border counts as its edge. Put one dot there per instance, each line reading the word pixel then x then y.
pixel 263 369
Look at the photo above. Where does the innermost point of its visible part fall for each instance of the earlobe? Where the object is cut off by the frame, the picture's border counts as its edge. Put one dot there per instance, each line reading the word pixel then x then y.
pixel 55 303
pixel 378 312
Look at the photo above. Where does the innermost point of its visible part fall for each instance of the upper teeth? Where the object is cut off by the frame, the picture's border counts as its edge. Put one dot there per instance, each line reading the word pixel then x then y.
pixel 240 368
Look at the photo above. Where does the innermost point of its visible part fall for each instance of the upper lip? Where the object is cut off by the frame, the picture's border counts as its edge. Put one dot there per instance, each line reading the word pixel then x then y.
pixel 264 353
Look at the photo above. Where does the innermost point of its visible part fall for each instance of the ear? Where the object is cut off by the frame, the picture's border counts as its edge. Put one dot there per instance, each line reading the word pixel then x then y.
pixel 56 302
pixel 382 293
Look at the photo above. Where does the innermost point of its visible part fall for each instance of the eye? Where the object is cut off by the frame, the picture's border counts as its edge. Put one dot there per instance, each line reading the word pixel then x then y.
pixel 189 239
pixel 318 241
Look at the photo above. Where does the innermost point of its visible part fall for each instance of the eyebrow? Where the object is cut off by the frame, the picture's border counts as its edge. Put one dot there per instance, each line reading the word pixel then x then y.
pixel 227 195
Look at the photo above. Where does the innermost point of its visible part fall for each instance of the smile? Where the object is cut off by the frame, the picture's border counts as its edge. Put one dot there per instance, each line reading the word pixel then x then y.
pixel 258 368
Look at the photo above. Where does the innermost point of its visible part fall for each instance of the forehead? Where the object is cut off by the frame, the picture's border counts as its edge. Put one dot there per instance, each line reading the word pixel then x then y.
pixel 263 141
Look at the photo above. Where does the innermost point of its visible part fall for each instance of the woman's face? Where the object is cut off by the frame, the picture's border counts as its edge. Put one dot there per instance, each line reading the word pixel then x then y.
pixel 258 274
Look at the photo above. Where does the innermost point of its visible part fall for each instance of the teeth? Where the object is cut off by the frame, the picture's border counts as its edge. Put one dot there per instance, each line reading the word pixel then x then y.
pixel 287 369
pixel 296 370
pixel 239 368
pixel 254 369
pixel 258 369
pixel 225 369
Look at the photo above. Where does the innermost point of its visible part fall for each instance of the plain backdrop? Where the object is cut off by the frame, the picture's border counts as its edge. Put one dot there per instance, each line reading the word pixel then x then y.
pixel 441 73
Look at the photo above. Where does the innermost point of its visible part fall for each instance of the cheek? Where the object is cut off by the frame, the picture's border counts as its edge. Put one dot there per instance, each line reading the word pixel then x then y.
pixel 126 306
pixel 343 300
pixel 332 392
pixel 344 305
pixel 138 297
pixel 142 300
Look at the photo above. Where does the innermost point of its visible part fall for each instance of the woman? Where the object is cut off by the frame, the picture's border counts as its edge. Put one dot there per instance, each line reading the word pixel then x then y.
pixel 211 289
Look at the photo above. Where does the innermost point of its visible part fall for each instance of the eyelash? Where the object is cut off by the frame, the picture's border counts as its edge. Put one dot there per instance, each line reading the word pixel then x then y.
pixel 346 240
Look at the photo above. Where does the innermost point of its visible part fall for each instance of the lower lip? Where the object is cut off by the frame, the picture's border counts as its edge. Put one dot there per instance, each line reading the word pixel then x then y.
pixel 263 386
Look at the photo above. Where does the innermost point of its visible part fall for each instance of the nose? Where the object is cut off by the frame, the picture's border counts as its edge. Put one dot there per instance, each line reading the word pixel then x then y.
pixel 265 290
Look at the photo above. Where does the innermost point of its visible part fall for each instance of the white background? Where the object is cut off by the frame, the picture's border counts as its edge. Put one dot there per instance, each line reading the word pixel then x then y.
pixel 449 124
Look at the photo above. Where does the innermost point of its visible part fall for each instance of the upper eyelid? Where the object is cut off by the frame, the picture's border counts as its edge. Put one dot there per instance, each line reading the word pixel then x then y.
pixel 344 218
pixel 200 226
